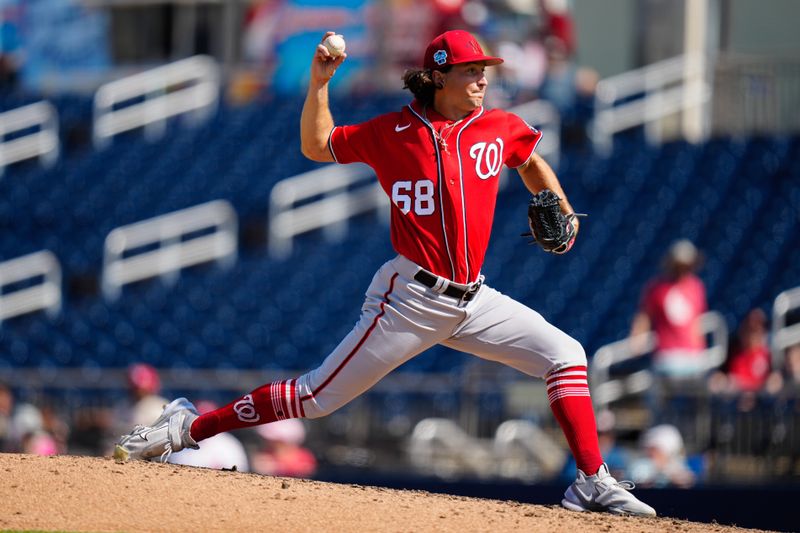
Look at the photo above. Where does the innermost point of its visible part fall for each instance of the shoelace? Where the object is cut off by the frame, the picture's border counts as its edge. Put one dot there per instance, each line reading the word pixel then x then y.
pixel 611 481
pixel 167 452
pixel 626 484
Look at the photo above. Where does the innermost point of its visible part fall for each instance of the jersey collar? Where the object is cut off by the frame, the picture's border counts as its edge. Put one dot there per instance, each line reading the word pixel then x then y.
pixel 435 118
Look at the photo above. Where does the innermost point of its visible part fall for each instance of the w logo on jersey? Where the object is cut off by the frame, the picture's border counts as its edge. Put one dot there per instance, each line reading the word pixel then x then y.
pixel 488 158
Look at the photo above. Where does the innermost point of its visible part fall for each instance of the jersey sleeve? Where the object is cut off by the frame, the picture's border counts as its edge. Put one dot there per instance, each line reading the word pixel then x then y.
pixel 522 141
pixel 355 143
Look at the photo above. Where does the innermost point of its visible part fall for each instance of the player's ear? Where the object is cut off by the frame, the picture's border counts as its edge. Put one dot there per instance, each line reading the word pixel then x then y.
pixel 438 79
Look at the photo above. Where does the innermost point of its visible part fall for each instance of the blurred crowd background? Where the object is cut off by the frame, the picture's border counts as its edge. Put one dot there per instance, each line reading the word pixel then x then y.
pixel 674 124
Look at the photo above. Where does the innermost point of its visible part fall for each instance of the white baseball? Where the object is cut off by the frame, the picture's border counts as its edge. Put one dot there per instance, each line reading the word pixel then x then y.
pixel 335 45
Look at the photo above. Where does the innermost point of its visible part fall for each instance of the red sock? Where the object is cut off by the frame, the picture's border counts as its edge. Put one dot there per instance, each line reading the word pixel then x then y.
pixel 275 401
pixel 568 392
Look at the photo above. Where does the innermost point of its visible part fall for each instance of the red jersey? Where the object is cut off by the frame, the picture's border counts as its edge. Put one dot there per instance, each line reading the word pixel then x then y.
pixel 442 178
pixel 674 308
pixel 750 367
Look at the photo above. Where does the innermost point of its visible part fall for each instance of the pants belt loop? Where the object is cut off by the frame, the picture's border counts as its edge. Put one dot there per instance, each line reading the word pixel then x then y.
pixel 441 285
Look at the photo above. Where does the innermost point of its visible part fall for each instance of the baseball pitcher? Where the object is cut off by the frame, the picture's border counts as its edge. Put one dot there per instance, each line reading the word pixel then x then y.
pixel 438 159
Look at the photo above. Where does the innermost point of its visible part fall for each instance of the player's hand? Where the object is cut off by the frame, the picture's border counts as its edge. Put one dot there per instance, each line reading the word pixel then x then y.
pixel 323 65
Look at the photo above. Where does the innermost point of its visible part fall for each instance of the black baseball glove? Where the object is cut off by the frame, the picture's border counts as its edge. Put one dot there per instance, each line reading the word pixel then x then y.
pixel 550 228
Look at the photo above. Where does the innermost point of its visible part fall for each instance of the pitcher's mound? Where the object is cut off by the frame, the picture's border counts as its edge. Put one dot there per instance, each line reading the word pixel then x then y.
pixel 98 494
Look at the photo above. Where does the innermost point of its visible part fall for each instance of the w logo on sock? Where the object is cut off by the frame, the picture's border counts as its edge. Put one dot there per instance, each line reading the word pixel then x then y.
pixel 246 410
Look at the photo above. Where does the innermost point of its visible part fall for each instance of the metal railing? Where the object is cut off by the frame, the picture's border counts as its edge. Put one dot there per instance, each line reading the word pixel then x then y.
pixel 44 294
pixel 322 198
pixel 607 389
pixel 329 196
pixel 149 98
pixel 43 143
pixel 784 335
pixel 163 245
pixel 646 96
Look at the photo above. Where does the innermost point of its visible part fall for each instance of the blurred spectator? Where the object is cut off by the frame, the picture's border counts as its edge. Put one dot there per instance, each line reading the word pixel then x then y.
pixel 56 427
pixel 749 364
pixel 93 431
pixel 557 22
pixel 559 84
pixel 11 54
pixel 518 79
pixel 663 461
pixel 792 365
pixel 671 305
pixel 29 425
pixel 144 386
pixel 786 380
pixel 282 453
pixel 217 452
pixel 7 437
pixel 569 87
pixel 143 405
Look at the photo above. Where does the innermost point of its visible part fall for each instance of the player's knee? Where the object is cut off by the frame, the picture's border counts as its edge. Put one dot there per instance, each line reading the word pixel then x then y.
pixel 317 412
pixel 317 409
pixel 572 354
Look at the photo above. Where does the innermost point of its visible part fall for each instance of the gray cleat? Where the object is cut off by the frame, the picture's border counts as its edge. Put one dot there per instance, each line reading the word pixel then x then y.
pixel 168 434
pixel 601 492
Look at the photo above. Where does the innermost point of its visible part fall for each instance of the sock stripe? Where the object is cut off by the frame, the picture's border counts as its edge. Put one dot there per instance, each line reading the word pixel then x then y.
pixel 562 382
pixel 567 383
pixel 566 394
pixel 290 398
pixel 299 400
pixel 571 403
pixel 287 408
pixel 577 371
pixel 275 396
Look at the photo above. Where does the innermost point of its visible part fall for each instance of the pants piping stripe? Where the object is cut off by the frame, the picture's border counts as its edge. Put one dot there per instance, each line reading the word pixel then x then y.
pixel 357 346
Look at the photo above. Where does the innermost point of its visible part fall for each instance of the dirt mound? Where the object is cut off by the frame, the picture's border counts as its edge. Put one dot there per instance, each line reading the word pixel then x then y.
pixel 99 494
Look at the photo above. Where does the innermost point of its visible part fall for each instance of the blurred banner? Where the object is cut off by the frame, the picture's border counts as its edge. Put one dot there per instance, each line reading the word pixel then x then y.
pixel 287 33
pixel 57 44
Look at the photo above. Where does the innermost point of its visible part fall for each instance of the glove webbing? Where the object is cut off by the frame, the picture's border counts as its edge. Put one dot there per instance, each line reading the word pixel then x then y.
pixel 548 215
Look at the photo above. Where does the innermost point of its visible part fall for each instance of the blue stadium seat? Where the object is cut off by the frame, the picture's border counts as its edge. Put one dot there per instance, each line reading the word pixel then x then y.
pixel 737 198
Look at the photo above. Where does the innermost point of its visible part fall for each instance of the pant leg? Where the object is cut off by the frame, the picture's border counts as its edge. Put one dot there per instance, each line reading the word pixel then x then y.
pixel 397 322
pixel 501 329
pixel 498 328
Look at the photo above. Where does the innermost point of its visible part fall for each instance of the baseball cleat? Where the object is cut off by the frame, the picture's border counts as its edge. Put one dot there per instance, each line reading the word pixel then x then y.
pixel 601 492
pixel 168 434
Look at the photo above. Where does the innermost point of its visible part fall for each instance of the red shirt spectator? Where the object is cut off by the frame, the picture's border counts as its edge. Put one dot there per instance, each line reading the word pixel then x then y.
pixel 671 306
pixel 749 366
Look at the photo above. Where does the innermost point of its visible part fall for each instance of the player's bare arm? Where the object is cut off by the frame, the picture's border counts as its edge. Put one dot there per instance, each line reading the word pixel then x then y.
pixel 316 121
pixel 538 175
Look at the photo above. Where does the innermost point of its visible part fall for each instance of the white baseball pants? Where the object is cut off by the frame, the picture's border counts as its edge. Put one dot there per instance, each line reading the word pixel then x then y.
pixel 401 318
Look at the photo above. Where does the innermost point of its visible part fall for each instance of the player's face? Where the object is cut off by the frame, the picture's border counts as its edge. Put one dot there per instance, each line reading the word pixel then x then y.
pixel 465 85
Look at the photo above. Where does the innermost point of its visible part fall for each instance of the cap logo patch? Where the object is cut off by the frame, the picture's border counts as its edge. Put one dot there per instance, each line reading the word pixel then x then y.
pixel 440 57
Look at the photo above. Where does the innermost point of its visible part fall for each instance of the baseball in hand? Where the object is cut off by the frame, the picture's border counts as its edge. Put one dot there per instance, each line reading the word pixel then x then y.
pixel 335 45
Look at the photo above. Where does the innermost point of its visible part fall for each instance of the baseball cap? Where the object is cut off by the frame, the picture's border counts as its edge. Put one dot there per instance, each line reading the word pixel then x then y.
pixel 454 47
pixel 665 438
